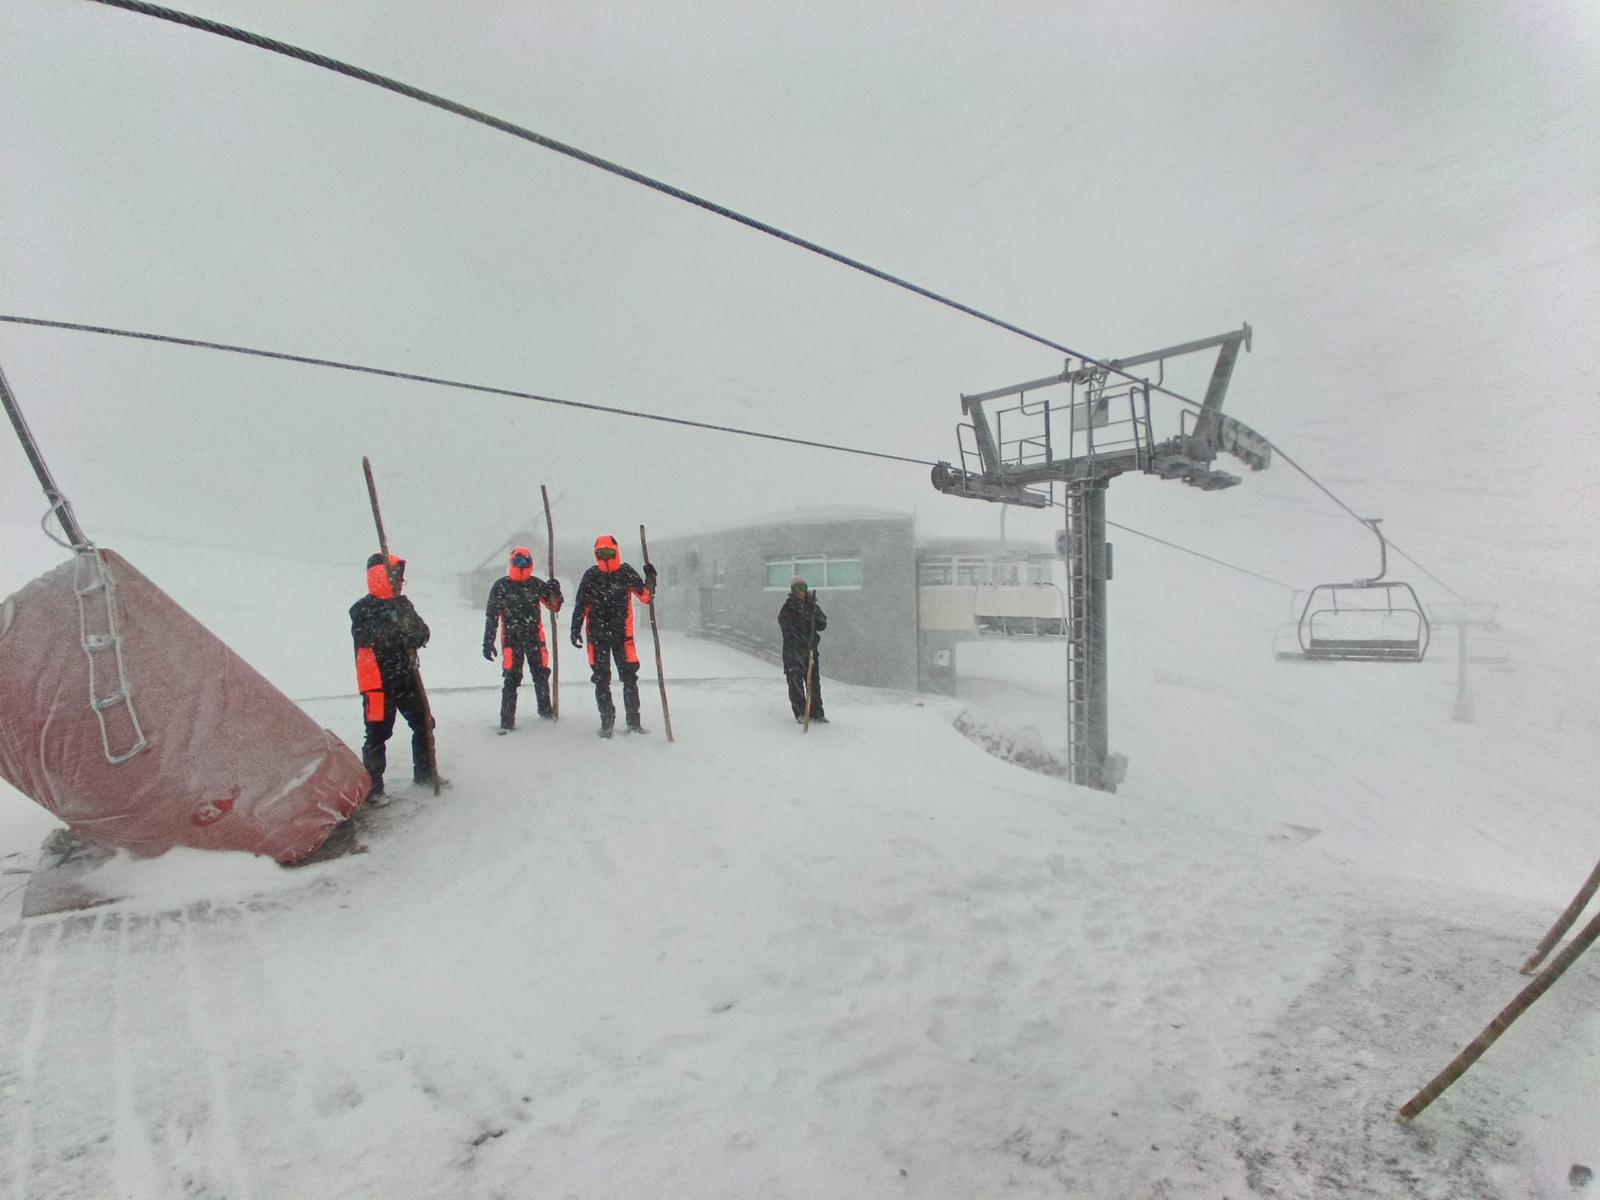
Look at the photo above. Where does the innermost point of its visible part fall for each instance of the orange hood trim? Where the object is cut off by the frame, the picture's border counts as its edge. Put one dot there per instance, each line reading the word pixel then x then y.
pixel 605 540
pixel 520 574
pixel 378 583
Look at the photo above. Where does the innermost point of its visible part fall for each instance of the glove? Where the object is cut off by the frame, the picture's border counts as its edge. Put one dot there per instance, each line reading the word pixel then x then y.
pixel 577 640
pixel 649 575
pixel 488 652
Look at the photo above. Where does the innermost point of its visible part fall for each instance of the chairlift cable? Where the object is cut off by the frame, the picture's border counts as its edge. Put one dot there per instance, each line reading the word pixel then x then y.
pixel 412 377
pixel 349 70
pixel 454 383
pixel 1315 482
pixel 1197 554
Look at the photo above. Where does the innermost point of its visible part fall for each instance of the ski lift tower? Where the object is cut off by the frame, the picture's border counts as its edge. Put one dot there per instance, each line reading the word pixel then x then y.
pixel 1020 441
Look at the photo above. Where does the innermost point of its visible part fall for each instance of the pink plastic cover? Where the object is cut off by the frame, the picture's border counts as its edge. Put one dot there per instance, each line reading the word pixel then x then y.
pixel 229 762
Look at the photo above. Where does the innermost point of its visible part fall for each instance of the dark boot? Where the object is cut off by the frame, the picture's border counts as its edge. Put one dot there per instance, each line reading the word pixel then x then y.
pixel 508 705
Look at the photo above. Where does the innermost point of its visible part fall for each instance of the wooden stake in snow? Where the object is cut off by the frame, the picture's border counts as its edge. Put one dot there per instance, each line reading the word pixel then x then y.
pixel 661 676
pixel 411 655
pixel 811 662
pixel 1564 921
pixel 1541 983
pixel 555 618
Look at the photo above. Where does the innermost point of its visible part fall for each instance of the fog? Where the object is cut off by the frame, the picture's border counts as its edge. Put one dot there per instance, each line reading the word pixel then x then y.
pixel 1400 199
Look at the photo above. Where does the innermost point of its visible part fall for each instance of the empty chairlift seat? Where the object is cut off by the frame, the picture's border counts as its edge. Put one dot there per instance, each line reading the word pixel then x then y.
pixel 1373 621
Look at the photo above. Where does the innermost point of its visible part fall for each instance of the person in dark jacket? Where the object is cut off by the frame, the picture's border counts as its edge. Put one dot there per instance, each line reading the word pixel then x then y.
pixel 800 642
pixel 387 632
pixel 603 609
pixel 514 615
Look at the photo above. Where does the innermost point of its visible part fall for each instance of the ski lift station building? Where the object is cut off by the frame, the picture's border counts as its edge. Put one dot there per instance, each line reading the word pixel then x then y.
pixel 898 608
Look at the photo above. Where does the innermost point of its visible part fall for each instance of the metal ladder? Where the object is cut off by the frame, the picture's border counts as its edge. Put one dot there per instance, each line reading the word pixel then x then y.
pixel 1087 557
pixel 1080 655
pixel 102 646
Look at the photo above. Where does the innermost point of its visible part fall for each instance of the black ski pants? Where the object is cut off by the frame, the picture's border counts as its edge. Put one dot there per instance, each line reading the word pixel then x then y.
pixel 627 658
pixel 532 652
pixel 794 670
pixel 374 751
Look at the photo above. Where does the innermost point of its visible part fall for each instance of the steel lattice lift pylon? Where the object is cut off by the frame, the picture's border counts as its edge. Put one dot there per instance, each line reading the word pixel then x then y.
pixel 1101 428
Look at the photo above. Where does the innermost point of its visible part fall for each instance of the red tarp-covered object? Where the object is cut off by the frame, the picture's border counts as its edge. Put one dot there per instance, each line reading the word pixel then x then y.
pixel 98 664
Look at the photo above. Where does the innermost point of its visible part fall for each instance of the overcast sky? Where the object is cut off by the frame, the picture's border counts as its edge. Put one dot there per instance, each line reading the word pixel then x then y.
pixel 1403 199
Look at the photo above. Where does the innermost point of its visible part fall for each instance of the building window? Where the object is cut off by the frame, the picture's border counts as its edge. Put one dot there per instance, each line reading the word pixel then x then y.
pixel 935 572
pixel 1039 572
pixel 844 573
pixel 818 571
pixel 971 571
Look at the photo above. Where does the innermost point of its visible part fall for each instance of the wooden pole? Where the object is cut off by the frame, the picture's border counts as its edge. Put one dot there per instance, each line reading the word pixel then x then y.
pixel 811 659
pixel 411 655
pixel 1564 921
pixel 555 618
pixel 661 675
pixel 1474 1051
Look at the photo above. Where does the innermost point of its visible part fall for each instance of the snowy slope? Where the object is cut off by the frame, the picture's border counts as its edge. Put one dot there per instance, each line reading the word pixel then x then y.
pixel 867 961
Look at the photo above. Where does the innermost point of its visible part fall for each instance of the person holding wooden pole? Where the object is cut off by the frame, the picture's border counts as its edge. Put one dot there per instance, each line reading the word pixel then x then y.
pixel 514 618
pixel 602 610
pixel 388 632
pixel 801 621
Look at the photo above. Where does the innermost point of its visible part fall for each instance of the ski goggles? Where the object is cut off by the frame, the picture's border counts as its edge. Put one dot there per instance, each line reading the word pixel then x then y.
pixel 606 553
pixel 521 560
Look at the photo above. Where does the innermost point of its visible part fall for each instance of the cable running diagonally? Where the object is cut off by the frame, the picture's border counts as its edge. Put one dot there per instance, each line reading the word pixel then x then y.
pixel 412 377
pixel 338 66
pixel 454 383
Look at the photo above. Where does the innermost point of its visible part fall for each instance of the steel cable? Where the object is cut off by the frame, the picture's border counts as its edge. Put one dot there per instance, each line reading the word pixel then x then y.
pixel 340 67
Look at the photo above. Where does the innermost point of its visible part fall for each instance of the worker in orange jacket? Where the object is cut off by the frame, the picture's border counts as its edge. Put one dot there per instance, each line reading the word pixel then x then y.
pixel 514 615
pixel 387 632
pixel 603 609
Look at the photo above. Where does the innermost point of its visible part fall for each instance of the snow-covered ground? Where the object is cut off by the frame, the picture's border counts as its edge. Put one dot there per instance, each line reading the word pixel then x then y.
pixel 870 961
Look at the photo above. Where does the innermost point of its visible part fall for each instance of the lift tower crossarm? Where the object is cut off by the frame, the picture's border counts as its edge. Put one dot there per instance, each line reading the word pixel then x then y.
pixel 967 402
pixel 1222 339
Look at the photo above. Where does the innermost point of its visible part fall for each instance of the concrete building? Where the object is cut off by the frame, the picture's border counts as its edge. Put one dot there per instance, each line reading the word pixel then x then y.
pixel 968 588
pixel 730 583
pixel 897 609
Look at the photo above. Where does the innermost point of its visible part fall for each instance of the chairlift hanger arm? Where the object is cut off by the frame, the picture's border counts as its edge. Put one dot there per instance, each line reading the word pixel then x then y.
pixel 1372 523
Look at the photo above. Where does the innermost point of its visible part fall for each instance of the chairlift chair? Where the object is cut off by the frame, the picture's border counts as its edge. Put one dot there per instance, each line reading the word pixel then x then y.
pixel 1368 620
